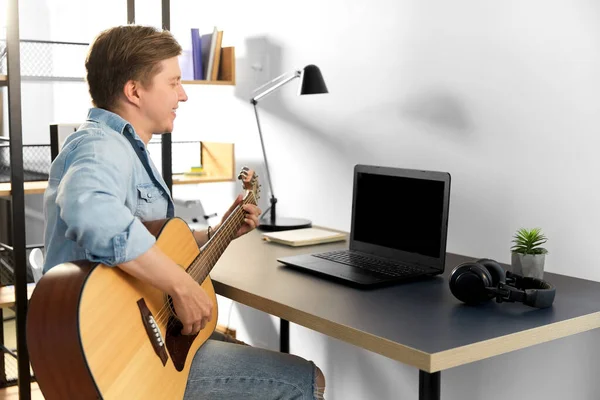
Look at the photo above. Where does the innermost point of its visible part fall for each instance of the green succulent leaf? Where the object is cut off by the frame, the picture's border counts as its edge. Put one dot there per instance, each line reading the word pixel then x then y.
pixel 529 241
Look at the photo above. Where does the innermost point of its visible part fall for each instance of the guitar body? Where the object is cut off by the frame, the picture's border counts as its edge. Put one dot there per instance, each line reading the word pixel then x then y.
pixel 90 330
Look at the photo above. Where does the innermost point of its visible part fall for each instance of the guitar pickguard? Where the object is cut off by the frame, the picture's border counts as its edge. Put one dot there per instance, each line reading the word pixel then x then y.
pixel 178 344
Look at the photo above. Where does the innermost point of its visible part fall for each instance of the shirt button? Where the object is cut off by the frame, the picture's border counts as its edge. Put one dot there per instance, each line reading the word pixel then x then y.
pixel 149 195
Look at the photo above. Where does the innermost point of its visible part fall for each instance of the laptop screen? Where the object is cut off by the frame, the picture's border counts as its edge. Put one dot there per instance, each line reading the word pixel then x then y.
pixel 401 215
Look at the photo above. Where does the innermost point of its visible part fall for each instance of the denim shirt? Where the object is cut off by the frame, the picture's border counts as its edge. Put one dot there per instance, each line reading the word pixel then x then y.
pixel 102 185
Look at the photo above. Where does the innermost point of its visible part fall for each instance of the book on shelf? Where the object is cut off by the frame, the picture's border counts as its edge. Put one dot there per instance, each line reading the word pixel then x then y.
pixel 195 171
pixel 218 41
pixel 208 49
pixel 197 54
pixel 206 54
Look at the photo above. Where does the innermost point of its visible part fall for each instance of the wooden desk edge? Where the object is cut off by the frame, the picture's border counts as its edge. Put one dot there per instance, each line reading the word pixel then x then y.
pixel 39 187
pixel 7 294
pixel 433 362
pixel 396 351
pixel 489 348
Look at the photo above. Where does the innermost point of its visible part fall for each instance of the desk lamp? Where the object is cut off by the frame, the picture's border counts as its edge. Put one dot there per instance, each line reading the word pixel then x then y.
pixel 311 82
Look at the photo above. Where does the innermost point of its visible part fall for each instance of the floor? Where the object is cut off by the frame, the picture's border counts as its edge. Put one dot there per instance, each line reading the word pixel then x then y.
pixel 12 393
pixel 10 341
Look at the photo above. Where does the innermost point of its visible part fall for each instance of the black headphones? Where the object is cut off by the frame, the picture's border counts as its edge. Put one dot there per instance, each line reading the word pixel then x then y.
pixel 477 282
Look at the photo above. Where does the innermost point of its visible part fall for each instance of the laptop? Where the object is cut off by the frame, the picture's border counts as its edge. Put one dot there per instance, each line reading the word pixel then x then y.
pixel 398 232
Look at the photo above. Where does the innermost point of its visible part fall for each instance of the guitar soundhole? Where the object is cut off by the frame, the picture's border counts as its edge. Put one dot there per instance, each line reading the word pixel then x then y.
pixel 178 345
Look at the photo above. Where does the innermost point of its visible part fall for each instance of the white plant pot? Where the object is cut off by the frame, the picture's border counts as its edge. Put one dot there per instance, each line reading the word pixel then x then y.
pixel 531 265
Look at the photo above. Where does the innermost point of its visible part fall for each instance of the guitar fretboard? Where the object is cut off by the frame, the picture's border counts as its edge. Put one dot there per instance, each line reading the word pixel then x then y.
pixel 214 248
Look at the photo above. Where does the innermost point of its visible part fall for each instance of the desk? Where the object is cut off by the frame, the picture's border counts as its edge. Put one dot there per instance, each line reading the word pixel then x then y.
pixel 419 323
pixel 7 294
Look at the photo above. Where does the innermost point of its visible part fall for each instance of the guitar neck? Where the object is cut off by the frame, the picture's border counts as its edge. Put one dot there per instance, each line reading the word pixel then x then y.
pixel 214 248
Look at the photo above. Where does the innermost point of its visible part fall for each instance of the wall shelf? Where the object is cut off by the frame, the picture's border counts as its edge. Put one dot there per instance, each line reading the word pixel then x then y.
pixel 226 70
pixel 38 60
pixel 36 49
pixel 204 82
pixel 218 161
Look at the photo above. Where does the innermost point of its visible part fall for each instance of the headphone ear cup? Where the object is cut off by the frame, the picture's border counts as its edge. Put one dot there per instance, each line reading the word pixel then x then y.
pixel 496 271
pixel 468 282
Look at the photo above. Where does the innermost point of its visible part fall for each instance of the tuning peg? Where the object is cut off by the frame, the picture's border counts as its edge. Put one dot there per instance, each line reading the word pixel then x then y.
pixel 243 172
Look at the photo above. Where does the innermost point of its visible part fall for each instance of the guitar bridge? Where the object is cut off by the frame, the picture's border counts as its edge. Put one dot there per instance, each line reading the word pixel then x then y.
pixel 154 334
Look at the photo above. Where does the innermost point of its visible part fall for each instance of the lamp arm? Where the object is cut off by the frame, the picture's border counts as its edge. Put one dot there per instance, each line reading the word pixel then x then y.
pixel 272 81
pixel 262 145
pixel 296 74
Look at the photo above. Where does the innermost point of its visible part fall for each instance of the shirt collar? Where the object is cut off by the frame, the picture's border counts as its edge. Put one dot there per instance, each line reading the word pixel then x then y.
pixel 112 120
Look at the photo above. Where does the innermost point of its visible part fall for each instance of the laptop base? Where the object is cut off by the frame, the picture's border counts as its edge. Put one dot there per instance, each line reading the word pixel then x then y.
pixel 345 274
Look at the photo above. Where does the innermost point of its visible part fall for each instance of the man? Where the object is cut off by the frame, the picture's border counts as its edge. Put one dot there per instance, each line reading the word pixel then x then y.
pixel 103 184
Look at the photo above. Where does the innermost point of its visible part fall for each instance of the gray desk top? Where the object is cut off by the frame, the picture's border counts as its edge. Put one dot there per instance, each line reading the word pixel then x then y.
pixel 418 323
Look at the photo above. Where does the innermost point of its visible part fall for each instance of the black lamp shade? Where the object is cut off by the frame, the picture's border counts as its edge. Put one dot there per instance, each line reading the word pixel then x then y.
pixel 312 81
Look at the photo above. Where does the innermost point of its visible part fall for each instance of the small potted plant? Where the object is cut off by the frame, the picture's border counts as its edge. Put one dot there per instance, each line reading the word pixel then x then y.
pixel 527 254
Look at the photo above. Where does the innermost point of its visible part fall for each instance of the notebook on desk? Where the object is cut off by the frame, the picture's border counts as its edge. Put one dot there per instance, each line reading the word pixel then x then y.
pixel 398 232
pixel 304 237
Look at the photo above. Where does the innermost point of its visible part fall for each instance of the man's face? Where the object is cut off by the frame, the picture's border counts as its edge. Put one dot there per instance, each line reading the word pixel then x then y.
pixel 159 102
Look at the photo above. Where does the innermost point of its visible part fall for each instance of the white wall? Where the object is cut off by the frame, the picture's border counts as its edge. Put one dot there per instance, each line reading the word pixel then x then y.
pixel 503 95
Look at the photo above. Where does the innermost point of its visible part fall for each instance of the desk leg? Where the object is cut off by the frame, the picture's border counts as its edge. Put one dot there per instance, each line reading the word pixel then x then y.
pixel 284 335
pixel 429 385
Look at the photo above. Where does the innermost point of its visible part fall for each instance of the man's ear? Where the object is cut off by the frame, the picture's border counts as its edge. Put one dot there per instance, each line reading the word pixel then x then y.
pixel 131 92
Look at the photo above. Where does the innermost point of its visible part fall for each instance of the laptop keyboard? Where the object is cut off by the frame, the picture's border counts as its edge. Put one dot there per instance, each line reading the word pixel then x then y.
pixel 358 260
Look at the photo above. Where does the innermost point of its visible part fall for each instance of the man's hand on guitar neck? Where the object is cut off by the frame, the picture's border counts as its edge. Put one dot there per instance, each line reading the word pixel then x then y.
pixel 250 219
pixel 192 305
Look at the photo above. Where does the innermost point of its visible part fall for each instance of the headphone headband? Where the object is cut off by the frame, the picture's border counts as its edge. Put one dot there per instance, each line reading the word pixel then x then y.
pixel 512 288
pixel 528 290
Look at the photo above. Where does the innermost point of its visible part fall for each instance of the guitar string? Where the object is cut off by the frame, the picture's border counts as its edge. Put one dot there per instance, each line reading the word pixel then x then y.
pixel 198 265
pixel 197 268
pixel 237 216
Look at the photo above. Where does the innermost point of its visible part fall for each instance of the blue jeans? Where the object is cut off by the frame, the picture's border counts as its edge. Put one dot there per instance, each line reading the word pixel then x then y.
pixel 231 371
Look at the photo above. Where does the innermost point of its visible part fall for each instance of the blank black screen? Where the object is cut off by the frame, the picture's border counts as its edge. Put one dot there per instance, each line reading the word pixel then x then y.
pixel 399 213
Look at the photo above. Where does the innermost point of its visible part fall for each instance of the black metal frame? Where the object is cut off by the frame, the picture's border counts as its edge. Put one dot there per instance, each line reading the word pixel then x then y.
pixel 167 167
pixel 429 382
pixel 429 385
pixel 17 195
pixel 36 161
pixel 166 144
pixel 29 74
pixel 284 335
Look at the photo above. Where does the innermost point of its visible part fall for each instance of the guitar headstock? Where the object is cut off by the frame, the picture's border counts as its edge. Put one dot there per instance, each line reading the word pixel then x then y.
pixel 250 181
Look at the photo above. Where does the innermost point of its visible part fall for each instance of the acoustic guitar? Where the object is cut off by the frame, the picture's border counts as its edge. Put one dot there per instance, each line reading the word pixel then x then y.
pixel 94 331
